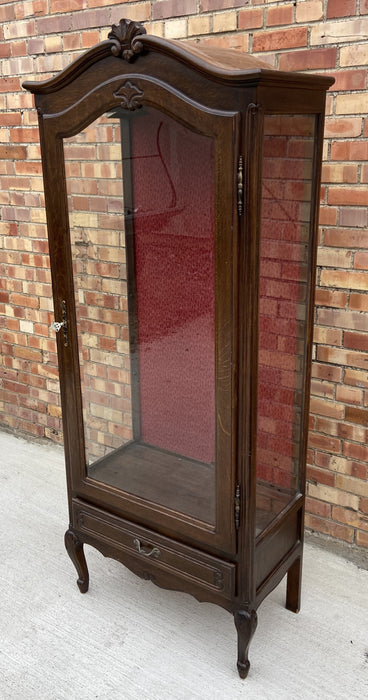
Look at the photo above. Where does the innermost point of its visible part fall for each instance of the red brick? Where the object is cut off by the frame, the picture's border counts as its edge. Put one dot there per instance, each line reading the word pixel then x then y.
pixel 90 39
pixel 318 507
pixel 7 13
pixel 10 119
pixel 8 228
pixel 349 150
pixel 25 135
pixel 16 387
pixel 232 40
pixel 353 217
pixel 327 336
pixel 356 415
pixel 355 433
pixel 326 372
pixel 326 297
pixel 59 5
pixel 5 49
pixel 344 278
pixel 363 505
pixel 350 80
pixel 356 341
pixel 348 195
pixel 28 354
pixel 210 5
pixel 102 3
pixel 324 407
pixel 358 301
pixel 19 48
pixel 35 46
pixel 24 300
pixel 164 9
pixel 340 8
pixel 286 39
pixel 346 238
pixel 362 539
pixel 283 14
pixel 343 126
pixel 348 394
pixel 320 476
pixel 355 377
pixel 328 216
pixel 309 11
pixel 345 357
pixel 10 85
pixel 310 59
pixel 361 261
pixel 337 172
pixel 88 19
pixel 250 19
pixel 322 442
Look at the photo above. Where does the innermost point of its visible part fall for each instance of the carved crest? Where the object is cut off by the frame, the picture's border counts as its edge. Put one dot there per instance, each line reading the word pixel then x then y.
pixel 123 36
pixel 131 96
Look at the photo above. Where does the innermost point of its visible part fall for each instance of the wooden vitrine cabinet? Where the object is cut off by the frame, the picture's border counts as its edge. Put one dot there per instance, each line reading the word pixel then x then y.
pixel 181 190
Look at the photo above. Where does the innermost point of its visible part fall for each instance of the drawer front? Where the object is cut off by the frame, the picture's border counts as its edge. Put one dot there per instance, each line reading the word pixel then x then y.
pixel 157 551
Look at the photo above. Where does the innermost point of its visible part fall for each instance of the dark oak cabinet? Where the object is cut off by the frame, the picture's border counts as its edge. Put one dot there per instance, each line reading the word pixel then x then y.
pixel 181 190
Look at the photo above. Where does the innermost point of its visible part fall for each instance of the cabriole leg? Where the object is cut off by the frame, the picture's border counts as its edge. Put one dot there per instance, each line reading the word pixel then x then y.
pixel 75 550
pixel 293 586
pixel 245 623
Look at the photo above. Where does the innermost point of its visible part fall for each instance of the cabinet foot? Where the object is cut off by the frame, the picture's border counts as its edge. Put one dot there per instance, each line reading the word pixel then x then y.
pixel 293 586
pixel 245 623
pixel 75 550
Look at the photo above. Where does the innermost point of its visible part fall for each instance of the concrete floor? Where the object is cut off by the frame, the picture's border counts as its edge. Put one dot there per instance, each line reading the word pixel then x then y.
pixel 127 639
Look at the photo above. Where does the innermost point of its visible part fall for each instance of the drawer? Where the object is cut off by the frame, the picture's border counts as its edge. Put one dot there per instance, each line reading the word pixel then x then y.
pixel 158 553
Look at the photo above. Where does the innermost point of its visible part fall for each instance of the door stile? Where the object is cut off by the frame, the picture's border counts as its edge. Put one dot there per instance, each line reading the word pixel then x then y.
pixel 63 297
pixel 248 301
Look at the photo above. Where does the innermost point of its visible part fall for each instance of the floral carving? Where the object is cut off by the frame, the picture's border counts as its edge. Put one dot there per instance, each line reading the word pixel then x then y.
pixel 131 96
pixel 124 37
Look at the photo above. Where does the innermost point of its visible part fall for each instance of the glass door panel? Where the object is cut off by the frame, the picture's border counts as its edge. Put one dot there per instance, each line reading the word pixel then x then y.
pixel 141 203
pixel 287 172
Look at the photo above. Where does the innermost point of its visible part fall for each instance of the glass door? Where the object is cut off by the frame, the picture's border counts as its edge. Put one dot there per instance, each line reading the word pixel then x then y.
pixel 147 244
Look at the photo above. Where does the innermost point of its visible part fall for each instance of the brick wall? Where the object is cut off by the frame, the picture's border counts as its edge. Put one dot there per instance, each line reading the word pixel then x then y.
pixel 38 38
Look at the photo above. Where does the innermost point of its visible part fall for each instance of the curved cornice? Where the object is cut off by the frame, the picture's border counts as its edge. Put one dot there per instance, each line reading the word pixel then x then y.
pixel 127 39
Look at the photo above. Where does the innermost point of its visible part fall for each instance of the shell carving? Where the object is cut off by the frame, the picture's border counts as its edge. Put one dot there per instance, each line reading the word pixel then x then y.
pixel 124 37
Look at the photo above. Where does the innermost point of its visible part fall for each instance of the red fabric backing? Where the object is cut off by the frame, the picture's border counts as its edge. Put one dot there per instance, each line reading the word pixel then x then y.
pixel 173 195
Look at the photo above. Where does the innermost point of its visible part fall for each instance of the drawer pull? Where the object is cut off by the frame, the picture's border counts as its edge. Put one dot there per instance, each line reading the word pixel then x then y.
pixel 146 551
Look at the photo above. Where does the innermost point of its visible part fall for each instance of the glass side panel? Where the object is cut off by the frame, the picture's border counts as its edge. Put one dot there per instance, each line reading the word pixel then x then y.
pixel 142 227
pixel 285 231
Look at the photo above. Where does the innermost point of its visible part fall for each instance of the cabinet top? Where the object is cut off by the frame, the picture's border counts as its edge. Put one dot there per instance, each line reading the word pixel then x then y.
pixel 127 40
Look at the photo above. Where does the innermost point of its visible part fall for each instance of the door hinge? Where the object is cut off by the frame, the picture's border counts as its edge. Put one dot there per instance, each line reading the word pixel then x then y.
pixel 237 506
pixel 240 186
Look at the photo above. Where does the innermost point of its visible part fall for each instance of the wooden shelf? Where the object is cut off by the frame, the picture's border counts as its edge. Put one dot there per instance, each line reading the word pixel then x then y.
pixel 161 477
pixel 178 483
